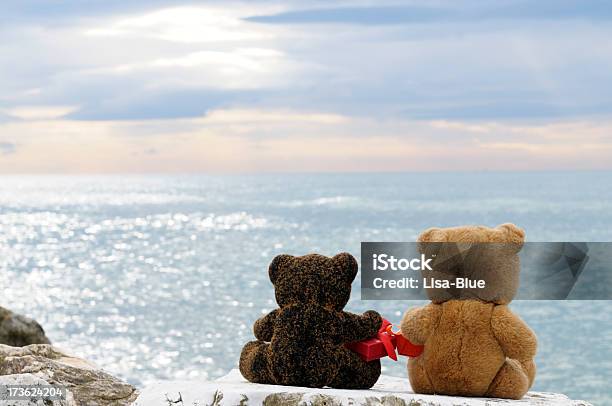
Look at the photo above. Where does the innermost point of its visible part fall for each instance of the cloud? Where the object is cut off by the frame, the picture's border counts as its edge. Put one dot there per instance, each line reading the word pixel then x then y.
pixel 187 24
pixel 7 148
pixel 128 66
pixel 261 140
pixel 150 104
pixel 175 60
pixel 380 15
pixel 445 12
pixel 65 12
pixel 253 116
pixel 305 86
pixel 39 112
pixel 242 68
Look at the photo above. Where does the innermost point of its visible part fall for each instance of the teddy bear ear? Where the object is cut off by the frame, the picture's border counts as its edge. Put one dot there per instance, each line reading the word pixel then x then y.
pixel 432 235
pixel 276 266
pixel 513 235
pixel 347 264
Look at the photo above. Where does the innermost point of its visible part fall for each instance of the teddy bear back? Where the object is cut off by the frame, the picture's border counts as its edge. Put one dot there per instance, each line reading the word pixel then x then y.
pixel 313 279
pixel 478 253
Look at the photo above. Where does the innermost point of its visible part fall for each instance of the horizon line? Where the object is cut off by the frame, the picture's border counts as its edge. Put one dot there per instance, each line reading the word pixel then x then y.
pixel 264 173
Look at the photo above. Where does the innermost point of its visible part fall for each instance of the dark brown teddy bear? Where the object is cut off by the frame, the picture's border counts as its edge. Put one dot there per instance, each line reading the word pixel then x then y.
pixel 302 342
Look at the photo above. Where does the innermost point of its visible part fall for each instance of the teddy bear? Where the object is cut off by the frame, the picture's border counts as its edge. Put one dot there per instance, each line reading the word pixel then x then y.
pixel 474 344
pixel 302 342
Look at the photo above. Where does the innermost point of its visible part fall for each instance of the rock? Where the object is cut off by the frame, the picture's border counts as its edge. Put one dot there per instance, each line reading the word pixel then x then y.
pixel 89 385
pixel 30 380
pixel 17 330
pixel 388 391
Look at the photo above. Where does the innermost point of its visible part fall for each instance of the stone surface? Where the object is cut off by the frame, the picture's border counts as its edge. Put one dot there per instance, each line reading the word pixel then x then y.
pixel 30 380
pixel 88 384
pixel 234 390
pixel 17 330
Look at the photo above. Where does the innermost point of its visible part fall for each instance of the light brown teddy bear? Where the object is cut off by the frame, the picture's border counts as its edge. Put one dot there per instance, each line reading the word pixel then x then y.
pixel 474 344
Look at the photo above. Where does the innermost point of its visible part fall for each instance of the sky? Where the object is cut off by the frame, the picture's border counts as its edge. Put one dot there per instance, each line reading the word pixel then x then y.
pixel 92 86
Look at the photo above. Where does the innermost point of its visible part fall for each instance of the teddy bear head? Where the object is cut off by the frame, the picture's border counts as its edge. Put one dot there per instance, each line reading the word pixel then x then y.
pixel 313 279
pixel 476 253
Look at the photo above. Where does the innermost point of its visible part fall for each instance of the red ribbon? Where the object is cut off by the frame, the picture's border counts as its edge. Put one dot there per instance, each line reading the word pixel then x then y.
pixel 388 337
pixel 369 349
pixel 403 345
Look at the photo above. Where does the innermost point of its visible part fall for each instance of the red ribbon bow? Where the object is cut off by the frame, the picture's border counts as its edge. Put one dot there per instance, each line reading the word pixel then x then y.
pixel 384 344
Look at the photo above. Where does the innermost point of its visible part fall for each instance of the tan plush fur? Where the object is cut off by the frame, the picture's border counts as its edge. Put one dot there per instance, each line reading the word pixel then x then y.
pixel 474 347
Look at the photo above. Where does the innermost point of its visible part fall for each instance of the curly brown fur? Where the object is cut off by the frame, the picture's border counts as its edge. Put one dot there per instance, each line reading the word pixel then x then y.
pixel 302 342
pixel 474 347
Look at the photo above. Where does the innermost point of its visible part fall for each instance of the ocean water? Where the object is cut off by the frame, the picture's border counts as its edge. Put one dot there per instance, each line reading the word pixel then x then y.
pixel 161 277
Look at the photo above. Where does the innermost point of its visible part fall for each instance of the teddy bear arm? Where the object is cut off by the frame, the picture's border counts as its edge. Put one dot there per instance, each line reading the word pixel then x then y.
pixel 357 327
pixel 264 326
pixel 517 340
pixel 418 323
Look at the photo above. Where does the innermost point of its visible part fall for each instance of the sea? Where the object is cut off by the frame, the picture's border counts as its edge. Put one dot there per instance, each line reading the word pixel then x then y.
pixel 156 277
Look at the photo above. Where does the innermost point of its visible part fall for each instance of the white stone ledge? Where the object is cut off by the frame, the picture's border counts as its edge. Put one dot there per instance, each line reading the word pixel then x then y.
pixel 232 389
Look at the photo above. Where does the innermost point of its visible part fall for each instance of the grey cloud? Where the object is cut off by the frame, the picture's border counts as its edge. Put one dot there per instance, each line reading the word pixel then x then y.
pixel 465 11
pixel 459 65
pixel 7 148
